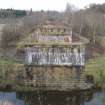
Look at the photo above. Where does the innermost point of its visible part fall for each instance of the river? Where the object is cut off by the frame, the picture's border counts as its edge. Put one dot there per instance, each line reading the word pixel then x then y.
pixel 52 98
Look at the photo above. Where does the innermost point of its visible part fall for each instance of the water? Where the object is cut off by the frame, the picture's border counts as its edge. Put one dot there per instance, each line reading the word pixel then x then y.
pixel 52 98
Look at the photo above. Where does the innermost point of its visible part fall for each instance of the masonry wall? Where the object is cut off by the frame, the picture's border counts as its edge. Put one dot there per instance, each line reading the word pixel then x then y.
pixel 53 76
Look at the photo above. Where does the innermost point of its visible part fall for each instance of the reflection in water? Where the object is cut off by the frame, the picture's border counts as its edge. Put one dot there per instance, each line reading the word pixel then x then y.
pixel 50 98
pixel 55 98
pixel 9 98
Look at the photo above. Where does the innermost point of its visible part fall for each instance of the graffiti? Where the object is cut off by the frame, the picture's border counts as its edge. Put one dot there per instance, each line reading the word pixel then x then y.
pixel 55 56
pixel 50 38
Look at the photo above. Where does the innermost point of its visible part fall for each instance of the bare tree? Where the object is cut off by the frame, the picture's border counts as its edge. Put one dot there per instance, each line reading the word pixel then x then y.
pixel 11 34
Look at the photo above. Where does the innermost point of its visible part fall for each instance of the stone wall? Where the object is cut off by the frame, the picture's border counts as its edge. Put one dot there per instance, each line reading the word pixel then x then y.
pixel 53 75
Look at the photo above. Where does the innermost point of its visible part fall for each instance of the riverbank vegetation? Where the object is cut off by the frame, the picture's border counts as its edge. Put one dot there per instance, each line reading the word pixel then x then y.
pixel 96 68
pixel 9 70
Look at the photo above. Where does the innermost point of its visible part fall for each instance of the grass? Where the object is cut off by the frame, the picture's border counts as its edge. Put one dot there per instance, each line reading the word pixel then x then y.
pixel 9 67
pixel 6 61
pixel 7 64
pixel 96 67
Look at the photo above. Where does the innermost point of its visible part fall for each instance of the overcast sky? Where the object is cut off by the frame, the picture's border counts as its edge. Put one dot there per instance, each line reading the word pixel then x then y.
pixel 45 4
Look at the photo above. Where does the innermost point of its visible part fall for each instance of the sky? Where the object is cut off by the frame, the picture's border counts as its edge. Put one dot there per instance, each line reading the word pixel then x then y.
pixel 45 4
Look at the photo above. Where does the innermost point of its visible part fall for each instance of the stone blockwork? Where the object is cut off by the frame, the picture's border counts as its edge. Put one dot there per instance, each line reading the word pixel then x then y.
pixel 54 76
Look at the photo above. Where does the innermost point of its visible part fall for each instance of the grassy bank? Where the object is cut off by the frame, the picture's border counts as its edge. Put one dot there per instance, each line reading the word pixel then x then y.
pixel 9 70
pixel 96 68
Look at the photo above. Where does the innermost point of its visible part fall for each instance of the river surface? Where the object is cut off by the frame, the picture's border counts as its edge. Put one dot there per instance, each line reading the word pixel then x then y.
pixel 52 98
